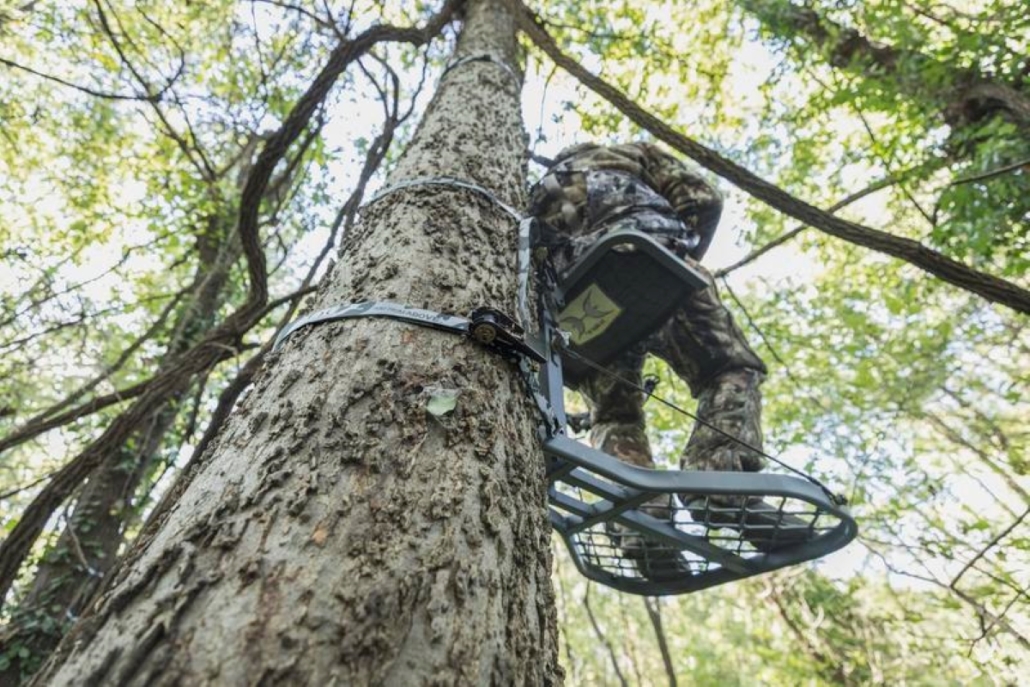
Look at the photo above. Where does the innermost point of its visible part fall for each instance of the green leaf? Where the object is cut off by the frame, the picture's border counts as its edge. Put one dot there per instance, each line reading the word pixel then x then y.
pixel 442 401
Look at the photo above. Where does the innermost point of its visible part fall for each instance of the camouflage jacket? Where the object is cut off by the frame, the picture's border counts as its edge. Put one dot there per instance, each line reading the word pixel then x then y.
pixel 563 196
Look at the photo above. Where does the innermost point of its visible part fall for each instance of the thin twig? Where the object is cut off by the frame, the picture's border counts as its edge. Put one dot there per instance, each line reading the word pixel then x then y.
pixel 982 611
pixel 77 548
pixel 990 174
pixel 654 612
pixel 563 622
pixel 150 97
pixel 25 487
pixel 123 358
pixel 991 544
pixel 601 636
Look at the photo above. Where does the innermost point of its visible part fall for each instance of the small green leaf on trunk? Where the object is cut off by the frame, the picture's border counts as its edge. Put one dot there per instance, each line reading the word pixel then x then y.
pixel 442 401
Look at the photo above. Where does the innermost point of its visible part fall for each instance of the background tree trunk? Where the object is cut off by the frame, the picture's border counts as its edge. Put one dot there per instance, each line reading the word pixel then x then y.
pixel 337 532
pixel 70 572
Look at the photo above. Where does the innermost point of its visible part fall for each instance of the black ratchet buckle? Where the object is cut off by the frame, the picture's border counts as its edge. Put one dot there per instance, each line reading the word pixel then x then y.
pixel 494 329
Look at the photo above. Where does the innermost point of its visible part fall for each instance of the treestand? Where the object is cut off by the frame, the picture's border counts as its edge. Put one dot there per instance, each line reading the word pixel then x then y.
pixel 714 527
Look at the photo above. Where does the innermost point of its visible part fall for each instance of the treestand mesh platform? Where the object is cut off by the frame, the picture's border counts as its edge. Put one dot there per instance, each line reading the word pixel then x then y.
pixel 628 528
pixel 659 532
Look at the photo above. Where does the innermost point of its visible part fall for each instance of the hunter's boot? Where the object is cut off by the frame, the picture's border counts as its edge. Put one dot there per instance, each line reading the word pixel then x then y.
pixel 654 560
pixel 730 439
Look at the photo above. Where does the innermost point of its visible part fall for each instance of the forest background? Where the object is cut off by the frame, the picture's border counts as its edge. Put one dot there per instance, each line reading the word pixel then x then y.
pixel 131 132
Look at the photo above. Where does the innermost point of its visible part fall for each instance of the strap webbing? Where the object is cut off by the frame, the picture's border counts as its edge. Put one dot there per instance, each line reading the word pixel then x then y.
pixel 453 183
pixel 483 57
pixel 426 318
pixel 523 264
pixel 435 320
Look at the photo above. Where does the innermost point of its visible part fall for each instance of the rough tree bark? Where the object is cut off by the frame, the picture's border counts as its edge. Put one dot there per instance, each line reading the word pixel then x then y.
pixel 337 532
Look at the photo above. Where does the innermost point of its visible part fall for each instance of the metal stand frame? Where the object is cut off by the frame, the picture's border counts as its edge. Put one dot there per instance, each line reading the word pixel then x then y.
pixel 734 525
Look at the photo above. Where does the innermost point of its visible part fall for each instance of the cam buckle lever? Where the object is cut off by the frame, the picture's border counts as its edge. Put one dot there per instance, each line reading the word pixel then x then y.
pixel 494 329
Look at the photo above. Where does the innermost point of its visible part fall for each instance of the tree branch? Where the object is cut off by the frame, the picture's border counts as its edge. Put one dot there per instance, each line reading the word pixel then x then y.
pixel 1023 165
pixel 991 544
pixel 41 423
pixel 146 336
pixel 779 241
pixel 317 20
pixel 150 97
pixel 563 614
pixel 25 487
pixel 981 610
pixel 949 432
pixel 832 663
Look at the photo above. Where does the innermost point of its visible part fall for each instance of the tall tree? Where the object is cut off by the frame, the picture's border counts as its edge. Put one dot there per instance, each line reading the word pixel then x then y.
pixel 276 162
pixel 902 390
pixel 339 530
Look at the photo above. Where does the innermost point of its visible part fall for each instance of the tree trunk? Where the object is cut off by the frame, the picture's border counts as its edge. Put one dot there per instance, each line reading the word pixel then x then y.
pixel 337 532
